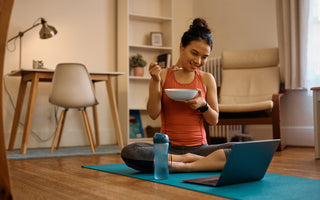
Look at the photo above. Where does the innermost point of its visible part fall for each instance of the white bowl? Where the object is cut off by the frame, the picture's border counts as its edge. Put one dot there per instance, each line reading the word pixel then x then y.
pixel 181 94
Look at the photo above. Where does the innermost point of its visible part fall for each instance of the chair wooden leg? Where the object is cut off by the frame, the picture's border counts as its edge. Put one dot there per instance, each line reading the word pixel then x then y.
pixel 62 126
pixel 89 132
pixel 276 121
pixel 57 130
pixel 276 133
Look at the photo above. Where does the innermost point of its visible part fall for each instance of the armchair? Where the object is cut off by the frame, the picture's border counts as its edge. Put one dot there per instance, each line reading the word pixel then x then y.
pixel 250 90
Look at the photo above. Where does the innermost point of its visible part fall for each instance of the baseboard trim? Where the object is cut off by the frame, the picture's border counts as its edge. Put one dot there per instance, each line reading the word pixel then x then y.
pixel 293 135
pixel 299 135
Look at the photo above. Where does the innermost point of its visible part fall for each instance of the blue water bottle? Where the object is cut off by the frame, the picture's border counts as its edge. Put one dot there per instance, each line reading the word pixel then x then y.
pixel 160 148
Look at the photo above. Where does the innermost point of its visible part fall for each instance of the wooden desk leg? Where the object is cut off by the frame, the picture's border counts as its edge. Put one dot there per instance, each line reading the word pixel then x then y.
pixel 96 123
pixel 316 117
pixel 17 113
pixel 27 125
pixel 114 111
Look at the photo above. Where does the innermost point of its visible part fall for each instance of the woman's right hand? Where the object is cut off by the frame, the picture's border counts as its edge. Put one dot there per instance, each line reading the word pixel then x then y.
pixel 154 71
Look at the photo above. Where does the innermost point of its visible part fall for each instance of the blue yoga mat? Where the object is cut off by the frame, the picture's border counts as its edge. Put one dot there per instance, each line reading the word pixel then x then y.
pixel 272 186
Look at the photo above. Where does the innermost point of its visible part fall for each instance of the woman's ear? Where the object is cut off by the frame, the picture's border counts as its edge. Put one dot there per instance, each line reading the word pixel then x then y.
pixel 181 47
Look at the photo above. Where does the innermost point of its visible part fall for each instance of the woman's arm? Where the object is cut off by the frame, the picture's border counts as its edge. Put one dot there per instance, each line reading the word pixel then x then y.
pixel 212 114
pixel 155 90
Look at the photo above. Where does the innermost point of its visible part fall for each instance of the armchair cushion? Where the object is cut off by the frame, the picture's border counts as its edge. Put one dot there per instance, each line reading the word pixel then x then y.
pixel 244 86
pixel 246 107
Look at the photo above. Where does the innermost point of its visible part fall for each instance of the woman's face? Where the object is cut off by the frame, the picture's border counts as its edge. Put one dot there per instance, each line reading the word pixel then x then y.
pixel 194 55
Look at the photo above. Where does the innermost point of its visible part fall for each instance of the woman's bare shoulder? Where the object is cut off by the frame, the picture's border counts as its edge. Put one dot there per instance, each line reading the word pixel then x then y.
pixel 207 77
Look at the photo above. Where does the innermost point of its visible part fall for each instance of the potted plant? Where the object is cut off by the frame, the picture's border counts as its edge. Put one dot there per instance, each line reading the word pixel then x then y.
pixel 137 63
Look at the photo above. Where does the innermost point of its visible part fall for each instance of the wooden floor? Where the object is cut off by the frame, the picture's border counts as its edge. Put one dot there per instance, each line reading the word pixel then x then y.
pixel 63 178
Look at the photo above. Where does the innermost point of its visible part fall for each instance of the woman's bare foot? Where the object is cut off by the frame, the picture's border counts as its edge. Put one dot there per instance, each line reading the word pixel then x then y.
pixel 213 162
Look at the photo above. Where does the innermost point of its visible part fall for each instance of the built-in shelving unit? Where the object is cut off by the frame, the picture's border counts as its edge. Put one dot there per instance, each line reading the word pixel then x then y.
pixel 136 20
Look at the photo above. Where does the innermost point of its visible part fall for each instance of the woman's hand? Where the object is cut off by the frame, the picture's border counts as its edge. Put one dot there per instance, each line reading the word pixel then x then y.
pixel 196 102
pixel 154 71
pixel 155 90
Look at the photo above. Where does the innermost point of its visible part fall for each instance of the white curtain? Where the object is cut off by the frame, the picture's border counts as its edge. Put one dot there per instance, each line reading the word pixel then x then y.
pixel 291 42
pixel 298 23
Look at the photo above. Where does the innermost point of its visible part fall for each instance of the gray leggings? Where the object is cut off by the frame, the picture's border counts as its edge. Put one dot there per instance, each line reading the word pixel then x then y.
pixel 140 155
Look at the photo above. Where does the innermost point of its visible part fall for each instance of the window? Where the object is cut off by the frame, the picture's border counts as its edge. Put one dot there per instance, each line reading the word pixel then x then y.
pixel 313 46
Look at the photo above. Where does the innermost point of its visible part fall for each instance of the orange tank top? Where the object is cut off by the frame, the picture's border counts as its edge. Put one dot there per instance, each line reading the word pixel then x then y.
pixel 183 125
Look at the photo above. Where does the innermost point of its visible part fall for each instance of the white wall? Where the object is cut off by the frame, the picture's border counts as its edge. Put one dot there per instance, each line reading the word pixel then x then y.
pixel 249 24
pixel 239 24
pixel 183 14
pixel 86 34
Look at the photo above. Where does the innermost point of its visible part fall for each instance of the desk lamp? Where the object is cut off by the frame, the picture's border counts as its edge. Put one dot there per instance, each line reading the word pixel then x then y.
pixel 45 32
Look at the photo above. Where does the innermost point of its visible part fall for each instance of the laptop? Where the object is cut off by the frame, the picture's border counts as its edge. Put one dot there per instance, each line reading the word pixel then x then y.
pixel 248 161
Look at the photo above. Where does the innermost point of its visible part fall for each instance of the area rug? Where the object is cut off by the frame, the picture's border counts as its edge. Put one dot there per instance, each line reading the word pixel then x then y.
pixel 63 152
pixel 272 186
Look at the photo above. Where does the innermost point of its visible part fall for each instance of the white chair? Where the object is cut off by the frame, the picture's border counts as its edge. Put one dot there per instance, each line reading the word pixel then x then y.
pixel 72 88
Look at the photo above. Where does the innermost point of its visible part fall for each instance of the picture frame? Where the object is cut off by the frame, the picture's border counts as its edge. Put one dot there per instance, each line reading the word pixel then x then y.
pixel 156 38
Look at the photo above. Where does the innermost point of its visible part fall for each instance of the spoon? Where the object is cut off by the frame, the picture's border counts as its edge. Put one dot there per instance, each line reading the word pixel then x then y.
pixel 176 68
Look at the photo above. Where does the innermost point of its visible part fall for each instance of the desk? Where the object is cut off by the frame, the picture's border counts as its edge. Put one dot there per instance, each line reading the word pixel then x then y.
pixel 316 118
pixel 42 75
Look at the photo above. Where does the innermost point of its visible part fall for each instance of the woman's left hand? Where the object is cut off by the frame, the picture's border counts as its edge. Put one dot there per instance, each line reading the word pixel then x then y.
pixel 196 102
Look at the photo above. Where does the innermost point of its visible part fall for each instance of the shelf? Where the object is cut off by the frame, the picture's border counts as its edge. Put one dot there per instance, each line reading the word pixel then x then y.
pixel 138 46
pixel 137 19
pixel 159 19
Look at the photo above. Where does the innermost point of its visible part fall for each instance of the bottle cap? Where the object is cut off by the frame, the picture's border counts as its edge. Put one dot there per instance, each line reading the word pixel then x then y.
pixel 160 138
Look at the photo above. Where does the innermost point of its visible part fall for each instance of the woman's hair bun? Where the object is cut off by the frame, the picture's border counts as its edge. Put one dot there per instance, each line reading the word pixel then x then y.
pixel 200 24
pixel 198 30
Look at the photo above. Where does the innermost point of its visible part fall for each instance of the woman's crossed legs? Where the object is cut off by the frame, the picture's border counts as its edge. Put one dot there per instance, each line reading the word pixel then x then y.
pixel 205 158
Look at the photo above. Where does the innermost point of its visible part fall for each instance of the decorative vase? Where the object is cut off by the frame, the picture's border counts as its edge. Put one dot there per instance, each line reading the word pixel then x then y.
pixel 138 71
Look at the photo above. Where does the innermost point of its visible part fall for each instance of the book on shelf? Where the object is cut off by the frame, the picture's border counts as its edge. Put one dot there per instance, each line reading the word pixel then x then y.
pixel 136 128
pixel 164 60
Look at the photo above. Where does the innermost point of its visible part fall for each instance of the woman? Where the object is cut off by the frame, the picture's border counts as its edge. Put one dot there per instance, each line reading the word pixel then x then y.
pixel 183 121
